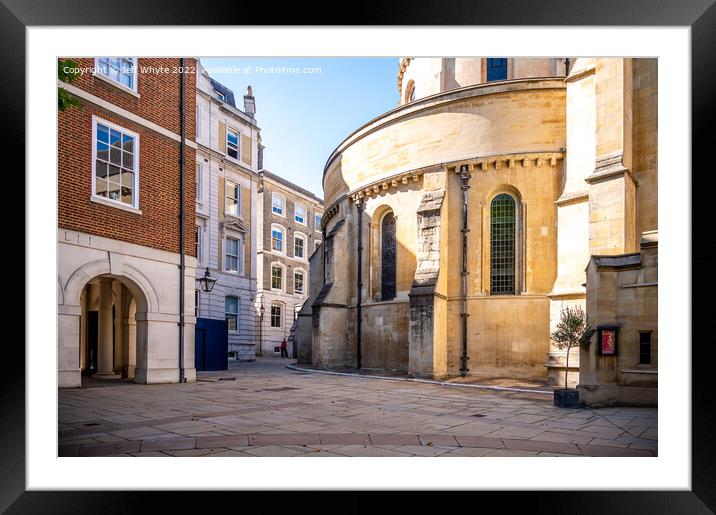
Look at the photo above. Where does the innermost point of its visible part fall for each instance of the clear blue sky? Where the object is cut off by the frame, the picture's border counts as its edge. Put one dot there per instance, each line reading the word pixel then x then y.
pixel 303 117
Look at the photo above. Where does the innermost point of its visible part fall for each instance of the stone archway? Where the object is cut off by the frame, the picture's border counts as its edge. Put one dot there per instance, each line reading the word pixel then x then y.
pixel 105 311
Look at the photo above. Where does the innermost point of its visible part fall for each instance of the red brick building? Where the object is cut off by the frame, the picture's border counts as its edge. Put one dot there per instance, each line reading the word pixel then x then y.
pixel 119 210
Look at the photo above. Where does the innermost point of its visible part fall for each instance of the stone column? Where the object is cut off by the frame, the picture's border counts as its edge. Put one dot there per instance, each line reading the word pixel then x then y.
pixel 119 315
pixel 106 330
pixel 427 351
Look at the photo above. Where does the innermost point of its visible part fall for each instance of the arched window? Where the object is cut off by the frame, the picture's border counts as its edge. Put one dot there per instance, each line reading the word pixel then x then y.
pixel 388 247
pixel 502 245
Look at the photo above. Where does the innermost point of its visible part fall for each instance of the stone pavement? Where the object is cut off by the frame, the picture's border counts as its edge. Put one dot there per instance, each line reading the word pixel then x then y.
pixel 265 409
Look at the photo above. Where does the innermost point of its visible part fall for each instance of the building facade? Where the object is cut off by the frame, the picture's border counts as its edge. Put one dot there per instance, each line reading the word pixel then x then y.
pixel 458 224
pixel 227 162
pixel 119 236
pixel 290 221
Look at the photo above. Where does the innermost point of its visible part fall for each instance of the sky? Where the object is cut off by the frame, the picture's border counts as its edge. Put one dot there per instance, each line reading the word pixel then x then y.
pixel 304 116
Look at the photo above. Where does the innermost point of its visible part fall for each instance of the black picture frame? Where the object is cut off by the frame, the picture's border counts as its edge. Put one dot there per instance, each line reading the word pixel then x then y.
pixel 699 15
pixel 600 333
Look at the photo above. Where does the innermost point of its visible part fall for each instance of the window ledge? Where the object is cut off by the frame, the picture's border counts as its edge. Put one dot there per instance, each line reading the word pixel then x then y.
pixel 111 203
pixel 234 160
pixel 277 214
pixel 117 85
pixel 640 371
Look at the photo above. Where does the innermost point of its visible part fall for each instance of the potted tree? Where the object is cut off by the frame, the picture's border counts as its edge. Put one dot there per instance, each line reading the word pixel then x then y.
pixel 572 331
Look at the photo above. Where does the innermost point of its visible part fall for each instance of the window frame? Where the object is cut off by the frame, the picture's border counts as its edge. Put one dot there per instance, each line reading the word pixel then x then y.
pixel 304 239
pixel 199 190
pixel 135 166
pixel 236 314
pixel 239 238
pixel 282 268
pixel 199 247
pixel 197 122
pixel 197 302
pixel 239 207
pixel 135 75
pixel 317 219
pixel 516 244
pixel 283 232
pixel 279 316
pixel 296 207
pixel 302 273
pixel 650 345
pixel 238 143
pixel 283 204
pixel 488 68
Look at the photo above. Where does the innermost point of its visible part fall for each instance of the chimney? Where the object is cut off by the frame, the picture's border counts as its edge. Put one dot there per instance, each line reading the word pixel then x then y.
pixel 249 103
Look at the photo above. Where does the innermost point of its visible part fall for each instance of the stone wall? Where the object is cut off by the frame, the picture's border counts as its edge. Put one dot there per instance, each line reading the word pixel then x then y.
pixel 622 291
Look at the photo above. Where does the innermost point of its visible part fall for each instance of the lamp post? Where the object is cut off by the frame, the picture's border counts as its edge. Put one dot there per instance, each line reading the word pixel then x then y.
pixel 261 325
pixel 207 282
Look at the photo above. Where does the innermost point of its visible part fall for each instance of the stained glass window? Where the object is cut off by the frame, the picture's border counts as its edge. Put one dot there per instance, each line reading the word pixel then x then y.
pixel 387 280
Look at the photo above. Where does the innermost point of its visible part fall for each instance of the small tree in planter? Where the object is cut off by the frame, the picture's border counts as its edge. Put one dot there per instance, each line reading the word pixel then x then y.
pixel 572 331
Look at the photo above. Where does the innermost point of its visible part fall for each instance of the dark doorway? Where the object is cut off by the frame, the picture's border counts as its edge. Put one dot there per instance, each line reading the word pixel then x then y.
pixel 388 244
pixel 92 340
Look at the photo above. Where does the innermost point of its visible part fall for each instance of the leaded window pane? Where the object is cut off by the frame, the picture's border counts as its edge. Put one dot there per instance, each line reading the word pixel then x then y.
pixel 502 245
pixel 388 257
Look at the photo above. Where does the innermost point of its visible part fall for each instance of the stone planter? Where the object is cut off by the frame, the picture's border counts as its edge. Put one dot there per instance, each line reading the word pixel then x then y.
pixel 566 398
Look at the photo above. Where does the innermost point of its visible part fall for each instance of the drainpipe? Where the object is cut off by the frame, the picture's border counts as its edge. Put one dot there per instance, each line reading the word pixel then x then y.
pixel 464 178
pixel 182 264
pixel 359 314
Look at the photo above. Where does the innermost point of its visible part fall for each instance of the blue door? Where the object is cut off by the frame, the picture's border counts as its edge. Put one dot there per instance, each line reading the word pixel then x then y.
pixel 211 344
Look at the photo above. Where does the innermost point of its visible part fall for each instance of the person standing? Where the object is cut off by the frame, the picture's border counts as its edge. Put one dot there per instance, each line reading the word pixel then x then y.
pixel 284 347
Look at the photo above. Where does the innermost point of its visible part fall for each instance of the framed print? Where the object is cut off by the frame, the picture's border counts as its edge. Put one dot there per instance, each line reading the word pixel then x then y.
pixel 424 251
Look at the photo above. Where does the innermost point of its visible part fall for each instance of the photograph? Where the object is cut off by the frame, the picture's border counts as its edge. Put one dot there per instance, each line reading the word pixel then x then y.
pixel 379 256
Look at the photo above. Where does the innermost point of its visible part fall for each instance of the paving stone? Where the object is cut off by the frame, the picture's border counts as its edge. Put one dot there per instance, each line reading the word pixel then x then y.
pixel 598 450
pixel 283 439
pixel 337 409
pixel 479 441
pixel 438 440
pixel 105 449
pixel 189 453
pixel 394 439
pixel 344 439
pixel 274 451
pixel 369 451
pixel 204 442
pixel 468 452
pixel 165 444
pixel 541 446
pixel 421 450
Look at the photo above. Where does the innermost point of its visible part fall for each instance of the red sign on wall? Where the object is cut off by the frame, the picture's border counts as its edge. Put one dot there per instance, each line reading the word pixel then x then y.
pixel 608 342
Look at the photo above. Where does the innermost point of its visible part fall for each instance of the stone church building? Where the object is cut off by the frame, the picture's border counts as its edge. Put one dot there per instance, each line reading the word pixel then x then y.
pixel 499 190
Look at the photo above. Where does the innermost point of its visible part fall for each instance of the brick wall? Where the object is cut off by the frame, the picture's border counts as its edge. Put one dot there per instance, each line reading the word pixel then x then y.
pixel 158 224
